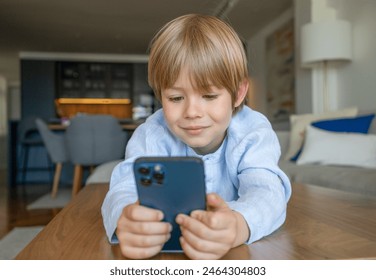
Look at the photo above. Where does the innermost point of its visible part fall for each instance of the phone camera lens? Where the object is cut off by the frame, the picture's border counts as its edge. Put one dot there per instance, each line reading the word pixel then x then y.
pixel 146 181
pixel 144 170
pixel 158 176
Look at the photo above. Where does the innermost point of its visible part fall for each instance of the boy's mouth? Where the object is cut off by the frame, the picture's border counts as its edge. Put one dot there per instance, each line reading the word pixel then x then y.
pixel 194 130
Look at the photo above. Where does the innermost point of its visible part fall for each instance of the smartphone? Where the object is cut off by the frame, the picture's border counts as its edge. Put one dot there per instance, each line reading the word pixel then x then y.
pixel 173 185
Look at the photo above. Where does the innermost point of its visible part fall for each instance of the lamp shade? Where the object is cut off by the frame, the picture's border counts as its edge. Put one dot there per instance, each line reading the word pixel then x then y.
pixel 324 41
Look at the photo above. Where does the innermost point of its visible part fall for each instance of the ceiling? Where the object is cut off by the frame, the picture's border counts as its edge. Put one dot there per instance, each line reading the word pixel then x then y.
pixel 114 26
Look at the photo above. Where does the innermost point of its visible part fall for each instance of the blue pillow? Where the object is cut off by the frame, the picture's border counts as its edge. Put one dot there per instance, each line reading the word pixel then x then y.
pixel 351 125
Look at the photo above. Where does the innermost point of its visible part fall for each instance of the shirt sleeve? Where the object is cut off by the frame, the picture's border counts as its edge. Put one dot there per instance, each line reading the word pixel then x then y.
pixel 122 192
pixel 263 188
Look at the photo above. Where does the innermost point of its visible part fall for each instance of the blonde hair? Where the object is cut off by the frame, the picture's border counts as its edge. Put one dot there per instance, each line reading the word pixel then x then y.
pixel 209 48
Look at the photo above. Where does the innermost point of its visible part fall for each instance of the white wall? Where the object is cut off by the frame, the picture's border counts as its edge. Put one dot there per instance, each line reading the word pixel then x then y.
pixel 357 81
pixel 3 106
pixel 303 77
pixel 10 66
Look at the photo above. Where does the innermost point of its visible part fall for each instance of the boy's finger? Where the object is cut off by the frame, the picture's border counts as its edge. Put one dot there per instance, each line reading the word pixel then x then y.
pixel 149 228
pixel 202 220
pixel 139 252
pixel 193 253
pixel 141 213
pixel 146 241
pixel 215 202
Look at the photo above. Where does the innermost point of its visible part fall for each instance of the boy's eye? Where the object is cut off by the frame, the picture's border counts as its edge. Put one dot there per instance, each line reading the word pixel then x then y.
pixel 175 98
pixel 210 96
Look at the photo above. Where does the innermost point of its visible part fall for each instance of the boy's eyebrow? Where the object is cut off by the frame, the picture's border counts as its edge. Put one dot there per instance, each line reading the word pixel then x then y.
pixel 176 88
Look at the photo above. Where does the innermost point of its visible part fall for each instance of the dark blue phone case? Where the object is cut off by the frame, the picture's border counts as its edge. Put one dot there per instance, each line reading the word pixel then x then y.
pixel 173 185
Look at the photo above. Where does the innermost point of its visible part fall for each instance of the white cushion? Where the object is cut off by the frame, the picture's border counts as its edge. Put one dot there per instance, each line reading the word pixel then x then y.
pixel 338 148
pixel 102 173
pixel 298 124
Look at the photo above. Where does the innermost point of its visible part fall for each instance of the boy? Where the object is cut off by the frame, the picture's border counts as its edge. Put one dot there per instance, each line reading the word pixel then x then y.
pixel 198 71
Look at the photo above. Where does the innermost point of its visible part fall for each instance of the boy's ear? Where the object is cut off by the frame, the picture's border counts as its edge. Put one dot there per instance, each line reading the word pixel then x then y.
pixel 242 92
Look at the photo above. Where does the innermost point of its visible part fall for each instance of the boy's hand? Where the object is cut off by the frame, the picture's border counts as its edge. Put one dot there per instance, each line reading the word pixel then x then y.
pixel 140 232
pixel 211 234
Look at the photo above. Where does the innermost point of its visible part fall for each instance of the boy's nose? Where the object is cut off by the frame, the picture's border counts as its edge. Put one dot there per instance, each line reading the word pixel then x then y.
pixel 193 108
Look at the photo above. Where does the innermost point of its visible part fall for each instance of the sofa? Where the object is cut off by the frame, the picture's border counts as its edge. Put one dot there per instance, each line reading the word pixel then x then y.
pixel 347 178
pixel 350 178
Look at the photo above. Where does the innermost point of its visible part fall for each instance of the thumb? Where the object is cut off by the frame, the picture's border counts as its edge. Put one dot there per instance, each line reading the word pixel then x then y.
pixel 215 202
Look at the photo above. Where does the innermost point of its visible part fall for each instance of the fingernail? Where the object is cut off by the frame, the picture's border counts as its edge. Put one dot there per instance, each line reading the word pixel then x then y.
pixel 179 219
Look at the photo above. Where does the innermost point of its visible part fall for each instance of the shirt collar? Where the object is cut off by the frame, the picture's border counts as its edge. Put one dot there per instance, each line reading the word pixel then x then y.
pixel 213 157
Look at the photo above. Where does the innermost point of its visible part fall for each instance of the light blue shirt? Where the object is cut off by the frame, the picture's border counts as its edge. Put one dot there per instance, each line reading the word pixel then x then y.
pixel 243 171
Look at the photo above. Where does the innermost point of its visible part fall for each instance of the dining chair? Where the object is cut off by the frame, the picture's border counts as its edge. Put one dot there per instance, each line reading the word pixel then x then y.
pixel 92 140
pixel 55 145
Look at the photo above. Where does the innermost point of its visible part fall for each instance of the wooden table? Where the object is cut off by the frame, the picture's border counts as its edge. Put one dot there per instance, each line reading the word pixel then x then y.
pixel 321 224
pixel 130 127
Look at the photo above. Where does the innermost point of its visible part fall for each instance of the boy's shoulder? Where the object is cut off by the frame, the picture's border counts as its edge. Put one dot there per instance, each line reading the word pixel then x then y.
pixel 154 126
pixel 156 119
pixel 248 122
pixel 153 137
pixel 247 128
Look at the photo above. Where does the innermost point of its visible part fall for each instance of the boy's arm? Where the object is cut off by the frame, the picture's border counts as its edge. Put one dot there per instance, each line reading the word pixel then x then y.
pixel 121 193
pixel 263 188
pixel 262 206
pixel 122 190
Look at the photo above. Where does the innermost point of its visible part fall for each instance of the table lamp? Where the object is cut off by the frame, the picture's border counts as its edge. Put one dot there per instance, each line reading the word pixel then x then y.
pixel 324 42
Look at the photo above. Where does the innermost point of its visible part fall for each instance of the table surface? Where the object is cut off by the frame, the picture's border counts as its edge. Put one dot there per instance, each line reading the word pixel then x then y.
pixel 321 224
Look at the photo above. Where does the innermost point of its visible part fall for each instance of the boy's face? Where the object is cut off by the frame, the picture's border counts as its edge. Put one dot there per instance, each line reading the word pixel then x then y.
pixel 198 119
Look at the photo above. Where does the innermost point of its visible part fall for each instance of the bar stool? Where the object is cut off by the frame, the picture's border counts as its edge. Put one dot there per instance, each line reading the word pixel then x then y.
pixel 55 145
pixel 30 138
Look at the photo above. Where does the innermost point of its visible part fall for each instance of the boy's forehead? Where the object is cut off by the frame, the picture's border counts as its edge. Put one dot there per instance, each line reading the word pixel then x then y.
pixel 187 77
